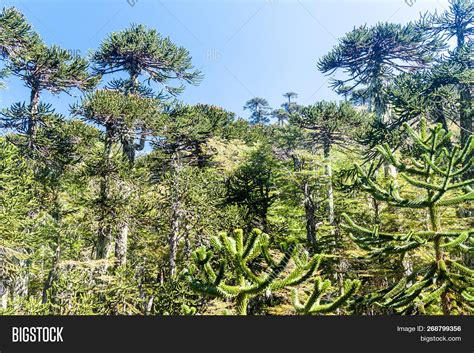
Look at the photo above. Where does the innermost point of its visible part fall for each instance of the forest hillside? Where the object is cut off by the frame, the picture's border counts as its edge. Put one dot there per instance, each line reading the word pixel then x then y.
pixel 137 203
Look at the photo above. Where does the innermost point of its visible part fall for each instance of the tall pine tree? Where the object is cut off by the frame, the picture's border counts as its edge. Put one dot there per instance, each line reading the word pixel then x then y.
pixel 434 170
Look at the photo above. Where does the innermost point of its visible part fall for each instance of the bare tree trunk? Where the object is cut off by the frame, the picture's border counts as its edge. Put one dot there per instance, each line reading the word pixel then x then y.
pixel 374 204
pixel 121 244
pixel 173 242
pixel 328 167
pixel 32 119
pixel 4 285
pixel 265 192
pixel 57 254
pixel 310 217
pixel 129 151
pixel 104 233
pixel 175 214
pixel 435 226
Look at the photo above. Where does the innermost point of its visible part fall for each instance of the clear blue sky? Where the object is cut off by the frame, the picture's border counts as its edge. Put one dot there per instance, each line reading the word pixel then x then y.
pixel 244 48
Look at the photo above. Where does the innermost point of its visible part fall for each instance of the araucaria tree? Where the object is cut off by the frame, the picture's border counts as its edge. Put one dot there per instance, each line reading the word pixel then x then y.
pixel 290 105
pixel 142 53
pixel 236 278
pixel 316 305
pixel 457 23
pixel 330 125
pixel 440 280
pixel 16 33
pixel 252 185
pixel 116 114
pixel 43 68
pixel 372 56
pixel 185 131
pixel 260 110
pixel 113 206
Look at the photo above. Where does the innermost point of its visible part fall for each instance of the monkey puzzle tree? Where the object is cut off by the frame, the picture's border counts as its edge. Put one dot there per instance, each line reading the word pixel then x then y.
pixel 260 110
pixel 183 132
pixel 315 304
pixel 116 113
pixel 17 202
pixel 457 22
pixel 252 185
pixel 185 129
pixel 15 35
pixel 235 277
pixel 291 105
pixel 372 56
pixel 281 115
pixel 290 96
pixel 143 53
pixel 436 171
pixel 426 93
pixel 330 124
pixel 43 68
pixel 63 145
pixel 37 127
pixel 301 176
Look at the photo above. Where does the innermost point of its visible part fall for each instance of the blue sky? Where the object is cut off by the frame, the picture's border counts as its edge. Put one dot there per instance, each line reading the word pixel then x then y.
pixel 244 48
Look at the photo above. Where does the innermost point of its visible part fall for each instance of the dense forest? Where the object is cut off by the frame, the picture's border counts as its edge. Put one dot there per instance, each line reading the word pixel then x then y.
pixel 136 203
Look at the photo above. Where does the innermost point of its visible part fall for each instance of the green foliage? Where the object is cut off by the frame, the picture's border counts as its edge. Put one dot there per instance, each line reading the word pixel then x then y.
pixel 331 123
pixel 455 22
pixel 314 305
pixel 235 278
pixel 252 186
pixel 89 226
pixel 15 32
pixel 142 51
pixel 436 171
pixel 16 196
pixel 174 297
pixel 372 55
pixel 117 111
pixel 186 129
pixel 260 110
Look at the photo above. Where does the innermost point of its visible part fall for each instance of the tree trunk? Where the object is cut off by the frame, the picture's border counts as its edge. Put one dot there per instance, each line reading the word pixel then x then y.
pixel 121 244
pixel 466 120
pixel 376 208
pixel 328 168
pixel 104 233
pixel 175 215
pixel 32 118
pixel 466 131
pixel 310 217
pixel 129 148
pixel 265 206
pixel 378 106
pixel 4 285
pixel 439 117
pixel 57 254
pixel 242 302
pixel 435 226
